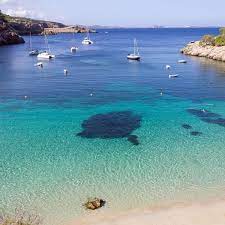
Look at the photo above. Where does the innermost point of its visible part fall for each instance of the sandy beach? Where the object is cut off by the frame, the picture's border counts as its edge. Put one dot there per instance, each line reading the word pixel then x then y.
pixel 210 213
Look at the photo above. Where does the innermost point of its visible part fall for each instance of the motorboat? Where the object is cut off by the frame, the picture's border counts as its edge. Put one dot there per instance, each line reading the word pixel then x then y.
pixel 74 49
pixel 182 61
pixel 173 75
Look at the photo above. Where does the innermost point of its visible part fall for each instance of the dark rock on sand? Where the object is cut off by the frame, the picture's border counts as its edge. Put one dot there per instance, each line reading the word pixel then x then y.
pixel 187 126
pixel 110 125
pixel 208 117
pixel 133 139
pixel 94 204
pixel 201 113
pixel 218 121
pixel 196 133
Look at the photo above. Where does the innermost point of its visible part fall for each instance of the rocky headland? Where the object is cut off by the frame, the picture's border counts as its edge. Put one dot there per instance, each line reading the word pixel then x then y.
pixel 212 47
pixel 211 52
pixel 7 34
pixel 12 27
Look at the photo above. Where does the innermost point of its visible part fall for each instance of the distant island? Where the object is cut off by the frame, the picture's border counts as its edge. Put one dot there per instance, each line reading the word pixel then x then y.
pixel 11 28
pixel 212 47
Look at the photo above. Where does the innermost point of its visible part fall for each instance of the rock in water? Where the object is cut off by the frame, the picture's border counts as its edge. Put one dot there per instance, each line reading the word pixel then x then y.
pixel 133 139
pixel 94 204
pixel 196 133
pixel 187 126
pixel 110 125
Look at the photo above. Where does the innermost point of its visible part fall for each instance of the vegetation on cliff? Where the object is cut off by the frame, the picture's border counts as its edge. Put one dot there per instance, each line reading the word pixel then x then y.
pixel 20 218
pixel 211 40
pixel 8 35
pixel 23 26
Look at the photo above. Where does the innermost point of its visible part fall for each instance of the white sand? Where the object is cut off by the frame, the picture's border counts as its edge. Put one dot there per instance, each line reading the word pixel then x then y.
pixel 211 213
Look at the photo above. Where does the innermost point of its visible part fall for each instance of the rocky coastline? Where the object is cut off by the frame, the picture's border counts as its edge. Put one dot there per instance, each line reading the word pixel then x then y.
pixel 211 47
pixel 12 28
pixel 8 35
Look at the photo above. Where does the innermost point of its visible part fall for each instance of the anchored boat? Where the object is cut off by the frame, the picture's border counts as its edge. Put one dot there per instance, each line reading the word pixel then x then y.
pixel 136 54
pixel 87 40
pixel 46 54
pixel 32 52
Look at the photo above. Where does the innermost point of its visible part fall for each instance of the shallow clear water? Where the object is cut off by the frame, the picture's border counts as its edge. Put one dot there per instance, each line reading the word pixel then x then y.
pixel 45 167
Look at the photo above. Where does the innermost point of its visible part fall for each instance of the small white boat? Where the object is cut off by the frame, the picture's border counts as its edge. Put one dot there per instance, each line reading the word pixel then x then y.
pixel 45 55
pixel 32 52
pixel 73 49
pixel 136 55
pixel 65 72
pixel 39 64
pixel 87 40
pixel 182 61
pixel 168 67
pixel 173 75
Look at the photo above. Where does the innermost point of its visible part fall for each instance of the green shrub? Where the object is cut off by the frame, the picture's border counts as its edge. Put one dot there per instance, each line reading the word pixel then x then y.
pixel 222 31
pixel 20 218
pixel 208 40
pixel 220 40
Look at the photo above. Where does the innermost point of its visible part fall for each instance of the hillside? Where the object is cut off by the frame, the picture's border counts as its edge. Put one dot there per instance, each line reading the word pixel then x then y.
pixel 7 34
pixel 26 25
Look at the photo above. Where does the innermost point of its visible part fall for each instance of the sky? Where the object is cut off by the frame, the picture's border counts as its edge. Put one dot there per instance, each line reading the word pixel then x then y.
pixel 124 13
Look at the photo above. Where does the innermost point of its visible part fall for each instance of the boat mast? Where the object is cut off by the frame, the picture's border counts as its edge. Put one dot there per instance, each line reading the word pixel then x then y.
pixel 88 34
pixel 46 43
pixel 74 35
pixel 30 43
pixel 135 46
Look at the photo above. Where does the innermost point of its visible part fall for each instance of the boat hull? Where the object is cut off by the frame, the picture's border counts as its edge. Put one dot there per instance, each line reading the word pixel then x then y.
pixel 87 42
pixel 45 56
pixel 134 57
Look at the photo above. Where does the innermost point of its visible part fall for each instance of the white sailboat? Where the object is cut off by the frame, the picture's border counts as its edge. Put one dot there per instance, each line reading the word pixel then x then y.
pixel 46 54
pixel 73 48
pixel 32 52
pixel 136 54
pixel 87 40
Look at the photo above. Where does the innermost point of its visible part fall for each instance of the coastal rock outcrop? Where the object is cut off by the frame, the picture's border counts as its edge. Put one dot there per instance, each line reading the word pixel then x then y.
pixel 8 35
pixel 25 26
pixel 94 204
pixel 211 52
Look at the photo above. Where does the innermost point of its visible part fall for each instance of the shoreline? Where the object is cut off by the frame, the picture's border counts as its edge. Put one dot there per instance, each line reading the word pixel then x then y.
pixel 197 213
pixel 210 52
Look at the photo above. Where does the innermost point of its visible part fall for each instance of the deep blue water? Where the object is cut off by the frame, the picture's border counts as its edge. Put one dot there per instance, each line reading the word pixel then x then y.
pixel 96 68
pixel 46 167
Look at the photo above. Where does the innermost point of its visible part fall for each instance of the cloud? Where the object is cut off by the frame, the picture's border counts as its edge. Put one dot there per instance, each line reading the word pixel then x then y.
pixel 4 1
pixel 21 12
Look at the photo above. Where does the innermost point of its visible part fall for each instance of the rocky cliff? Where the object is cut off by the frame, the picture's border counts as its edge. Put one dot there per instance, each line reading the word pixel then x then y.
pixel 7 34
pixel 211 52
pixel 25 26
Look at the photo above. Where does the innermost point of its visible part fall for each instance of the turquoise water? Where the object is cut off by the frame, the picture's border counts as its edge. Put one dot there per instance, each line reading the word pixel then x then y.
pixel 45 167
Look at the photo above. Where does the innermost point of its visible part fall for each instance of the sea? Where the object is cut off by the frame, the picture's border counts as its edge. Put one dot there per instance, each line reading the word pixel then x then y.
pixel 58 133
